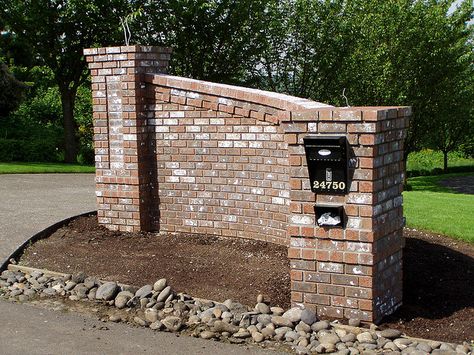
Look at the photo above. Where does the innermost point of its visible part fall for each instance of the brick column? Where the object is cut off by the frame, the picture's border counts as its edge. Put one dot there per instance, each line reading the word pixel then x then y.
pixel 353 271
pixel 125 172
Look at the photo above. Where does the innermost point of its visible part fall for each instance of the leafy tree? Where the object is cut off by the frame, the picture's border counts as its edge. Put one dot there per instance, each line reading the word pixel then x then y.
pixel 306 44
pixel 215 40
pixel 57 31
pixel 11 91
pixel 411 52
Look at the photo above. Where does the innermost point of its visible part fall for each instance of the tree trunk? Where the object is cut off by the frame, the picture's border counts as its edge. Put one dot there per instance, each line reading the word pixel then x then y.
pixel 445 161
pixel 68 97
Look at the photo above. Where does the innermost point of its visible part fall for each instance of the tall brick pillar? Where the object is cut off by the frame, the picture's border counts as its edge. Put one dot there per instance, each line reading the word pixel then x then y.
pixel 125 169
pixel 352 270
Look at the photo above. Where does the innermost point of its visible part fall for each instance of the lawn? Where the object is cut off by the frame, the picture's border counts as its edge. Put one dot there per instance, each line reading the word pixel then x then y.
pixel 38 168
pixel 430 162
pixel 435 208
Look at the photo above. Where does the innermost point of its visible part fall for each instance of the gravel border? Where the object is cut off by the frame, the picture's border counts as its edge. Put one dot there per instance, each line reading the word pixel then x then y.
pixel 158 307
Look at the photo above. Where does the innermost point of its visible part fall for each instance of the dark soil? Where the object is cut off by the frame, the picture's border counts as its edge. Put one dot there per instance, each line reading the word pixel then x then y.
pixel 201 265
pixel 438 271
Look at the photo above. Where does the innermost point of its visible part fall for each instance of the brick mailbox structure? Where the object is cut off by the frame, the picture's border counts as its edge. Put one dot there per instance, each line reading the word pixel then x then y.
pixel 180 155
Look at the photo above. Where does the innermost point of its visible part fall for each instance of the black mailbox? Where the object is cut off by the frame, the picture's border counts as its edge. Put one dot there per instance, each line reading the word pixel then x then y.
pixel 327 158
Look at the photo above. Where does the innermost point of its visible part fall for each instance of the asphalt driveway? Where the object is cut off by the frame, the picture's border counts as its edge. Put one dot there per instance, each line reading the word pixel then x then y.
pixel 30 203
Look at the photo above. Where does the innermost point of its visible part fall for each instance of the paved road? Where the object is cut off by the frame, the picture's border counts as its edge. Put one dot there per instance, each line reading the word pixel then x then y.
pixel 28 204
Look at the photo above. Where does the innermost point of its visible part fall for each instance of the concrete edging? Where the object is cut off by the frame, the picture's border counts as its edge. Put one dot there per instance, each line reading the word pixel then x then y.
pixel 40 235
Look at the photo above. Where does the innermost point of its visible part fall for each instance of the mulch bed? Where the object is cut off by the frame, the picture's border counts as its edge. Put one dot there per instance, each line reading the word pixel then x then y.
pixel 438 271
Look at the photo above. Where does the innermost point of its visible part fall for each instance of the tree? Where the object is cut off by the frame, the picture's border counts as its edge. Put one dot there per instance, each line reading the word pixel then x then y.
pixel 11 91
pixel 306 45
pixel 411 52
pixel 215 40
pixel 57 31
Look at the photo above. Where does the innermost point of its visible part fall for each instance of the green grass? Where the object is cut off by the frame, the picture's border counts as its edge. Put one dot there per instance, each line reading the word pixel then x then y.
pixel 438 209
pixel 430 162
pixel 39 168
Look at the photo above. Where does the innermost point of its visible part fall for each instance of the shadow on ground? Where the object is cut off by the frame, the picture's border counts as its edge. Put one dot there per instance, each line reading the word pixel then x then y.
pixel 438 291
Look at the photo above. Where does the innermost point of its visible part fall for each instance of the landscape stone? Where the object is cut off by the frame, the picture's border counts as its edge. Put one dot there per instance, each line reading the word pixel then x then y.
pixel 107 291
pixel 221 327
pixel 424 347
pixel 303 327
pixel 144 291
pixel 260 298
pixel 78 277
pixel 151 315
pixel 329 338
pixel 70 285
pixel 139 321
pixel 350 337
pixel 390 333
pixel 365 337
pixel 90 282
pixel 308 316
pixel 159 285
pixel 316 327
pixel 353 322
pixel 207 334
pixel 164 294
pixel 156 325
pixel 293 314
pixel 242 334
pixel 281 321
pixel 264 319
pixel 172 323
pixel 258 337
pixel 262 308
pixel 278 311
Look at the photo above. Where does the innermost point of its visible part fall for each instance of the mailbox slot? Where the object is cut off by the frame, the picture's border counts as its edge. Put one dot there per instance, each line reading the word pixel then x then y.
pixel 327 215
pixel 327 161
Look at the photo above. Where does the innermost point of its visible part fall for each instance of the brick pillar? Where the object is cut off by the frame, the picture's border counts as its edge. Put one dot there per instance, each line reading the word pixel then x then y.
pixel 125 174
pixel 354 271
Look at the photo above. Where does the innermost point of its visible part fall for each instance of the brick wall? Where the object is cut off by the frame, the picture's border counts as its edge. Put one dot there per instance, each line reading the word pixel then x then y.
pixel 176 154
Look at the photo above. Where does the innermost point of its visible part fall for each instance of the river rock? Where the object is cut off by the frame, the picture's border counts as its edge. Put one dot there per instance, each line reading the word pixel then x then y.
pixel 156 325
pixel 348 338
pixel 70 285
pixel 107 291
pixel 173 324
pixel 151 315
pixel 264 319
pixel 268 332
pixel 262 308
pixel 354 322
pixel 329 338
pixel 303 327
pixel 159 285
pixel 164 294
pixel 78 277
pixel 144 291
pixel 277 311
pixel 207 334
pixel 242 334
pixel 424 347
pixel 365 337
pixel 308 316
pixel 221 327
pixel 258 337
pixel 390 333
pixel 321 325
pixel 281 321
pixel 293 314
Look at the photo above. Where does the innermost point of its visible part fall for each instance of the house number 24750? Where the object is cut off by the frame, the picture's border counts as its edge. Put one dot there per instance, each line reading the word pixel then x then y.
pixel 334 185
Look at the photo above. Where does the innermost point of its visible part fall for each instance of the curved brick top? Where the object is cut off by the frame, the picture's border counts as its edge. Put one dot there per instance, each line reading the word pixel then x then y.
pixel 261 97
